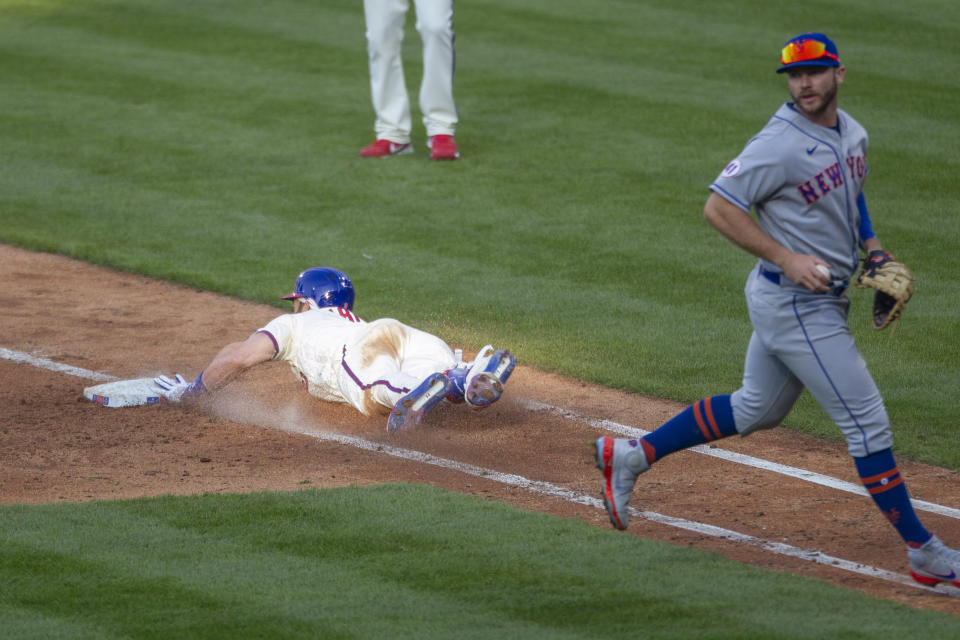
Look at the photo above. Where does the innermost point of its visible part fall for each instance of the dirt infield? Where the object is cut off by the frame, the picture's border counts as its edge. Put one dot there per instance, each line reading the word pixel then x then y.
pixel 56 446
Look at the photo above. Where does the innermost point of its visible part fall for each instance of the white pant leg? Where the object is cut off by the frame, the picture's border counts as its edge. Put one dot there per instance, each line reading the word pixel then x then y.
pixel 388 361
pixel 425 354
pixel 435 24
pixel 385 21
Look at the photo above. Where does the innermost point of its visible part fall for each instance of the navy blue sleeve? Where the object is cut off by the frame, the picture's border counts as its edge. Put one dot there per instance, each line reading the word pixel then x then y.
pixel 866 227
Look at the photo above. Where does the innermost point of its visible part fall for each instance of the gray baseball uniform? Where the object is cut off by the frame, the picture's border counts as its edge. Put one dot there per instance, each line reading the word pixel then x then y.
pixel 803 180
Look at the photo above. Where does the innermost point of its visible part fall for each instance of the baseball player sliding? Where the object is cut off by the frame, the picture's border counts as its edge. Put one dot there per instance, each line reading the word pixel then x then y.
pixel 802 174
pixel 341 358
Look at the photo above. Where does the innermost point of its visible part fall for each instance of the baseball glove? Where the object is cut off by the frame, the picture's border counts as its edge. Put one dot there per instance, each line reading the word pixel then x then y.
pixel 894 286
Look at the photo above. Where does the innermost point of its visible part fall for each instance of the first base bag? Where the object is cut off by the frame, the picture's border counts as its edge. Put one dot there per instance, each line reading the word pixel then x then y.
pixel 125 393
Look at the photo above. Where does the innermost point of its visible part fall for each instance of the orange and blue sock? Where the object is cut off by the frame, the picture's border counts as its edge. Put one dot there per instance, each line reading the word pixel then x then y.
pixel 704 421
pixel 882 479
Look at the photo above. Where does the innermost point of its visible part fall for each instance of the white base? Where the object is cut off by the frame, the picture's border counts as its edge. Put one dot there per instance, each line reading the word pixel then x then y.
pixel 125 393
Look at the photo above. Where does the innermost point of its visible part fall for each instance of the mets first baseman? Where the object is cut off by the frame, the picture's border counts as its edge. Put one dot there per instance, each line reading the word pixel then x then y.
pixel 340 358
pixel 802 175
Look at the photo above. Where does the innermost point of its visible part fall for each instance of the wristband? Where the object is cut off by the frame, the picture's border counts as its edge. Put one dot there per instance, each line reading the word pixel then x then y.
pixel 196 388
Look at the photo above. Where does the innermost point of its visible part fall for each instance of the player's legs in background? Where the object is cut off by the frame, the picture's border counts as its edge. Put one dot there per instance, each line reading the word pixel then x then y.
pixel 435 24
pixel 385 26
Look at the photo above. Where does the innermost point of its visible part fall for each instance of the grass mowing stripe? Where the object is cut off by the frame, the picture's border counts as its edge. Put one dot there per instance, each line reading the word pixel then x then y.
pixel 396 560
pixel 60 585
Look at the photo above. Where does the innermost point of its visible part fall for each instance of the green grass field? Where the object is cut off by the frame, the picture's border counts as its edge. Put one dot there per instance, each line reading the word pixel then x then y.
pixel 214 143
pixel 394 561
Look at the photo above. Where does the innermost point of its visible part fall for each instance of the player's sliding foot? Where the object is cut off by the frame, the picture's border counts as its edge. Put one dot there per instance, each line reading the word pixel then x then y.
pixel 411 408
pixel 481 382
pixel 484 382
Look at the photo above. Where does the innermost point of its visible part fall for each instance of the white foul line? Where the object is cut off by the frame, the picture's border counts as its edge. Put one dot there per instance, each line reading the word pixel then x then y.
pixel 615 427
pixel 43 363
pixel 739 458
pixel 548 489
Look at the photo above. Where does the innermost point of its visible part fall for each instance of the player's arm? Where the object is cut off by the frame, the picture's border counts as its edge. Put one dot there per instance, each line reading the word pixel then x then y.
pixel 232 359
pixel 868 239
pixel 236 358
pixel 737 226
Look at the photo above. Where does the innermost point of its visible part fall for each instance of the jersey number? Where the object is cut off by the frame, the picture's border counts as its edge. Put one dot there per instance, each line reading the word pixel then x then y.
pixel 346 313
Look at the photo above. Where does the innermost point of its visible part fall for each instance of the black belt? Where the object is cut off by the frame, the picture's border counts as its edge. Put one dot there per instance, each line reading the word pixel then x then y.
pixel 837 287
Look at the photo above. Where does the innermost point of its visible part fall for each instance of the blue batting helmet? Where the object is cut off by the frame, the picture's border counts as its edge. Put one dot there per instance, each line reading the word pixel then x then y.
pixel 325 286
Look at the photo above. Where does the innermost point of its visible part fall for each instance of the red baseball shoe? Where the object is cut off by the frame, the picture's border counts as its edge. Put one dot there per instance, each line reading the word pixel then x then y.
pixel 383 148
pixel 443 147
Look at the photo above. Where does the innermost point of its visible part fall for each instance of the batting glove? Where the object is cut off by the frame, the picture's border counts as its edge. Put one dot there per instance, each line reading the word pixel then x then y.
pixel 178 388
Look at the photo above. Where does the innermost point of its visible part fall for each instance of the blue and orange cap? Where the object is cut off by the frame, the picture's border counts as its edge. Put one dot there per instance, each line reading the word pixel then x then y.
pixel 809 50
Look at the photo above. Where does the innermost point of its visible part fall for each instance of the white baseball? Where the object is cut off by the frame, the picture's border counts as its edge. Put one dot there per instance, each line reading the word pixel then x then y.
pixel 824 270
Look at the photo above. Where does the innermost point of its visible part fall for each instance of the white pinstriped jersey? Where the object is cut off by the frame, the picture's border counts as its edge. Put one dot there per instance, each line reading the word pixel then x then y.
pixel 339 357
pixel 312 342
